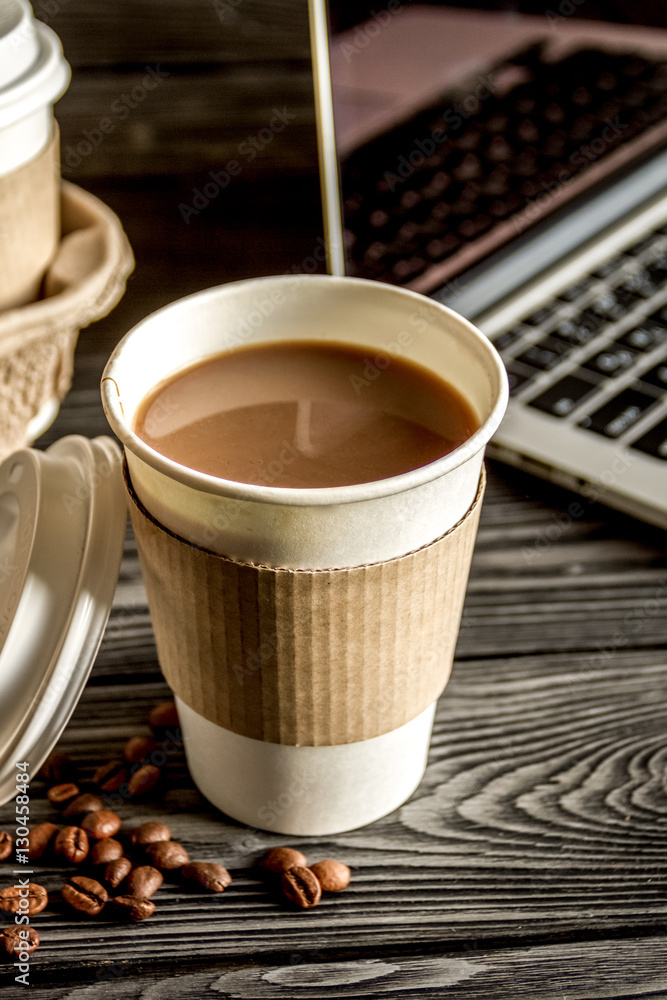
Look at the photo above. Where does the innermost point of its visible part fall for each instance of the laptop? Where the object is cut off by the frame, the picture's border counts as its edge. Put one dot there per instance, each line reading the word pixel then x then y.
pixel 515 168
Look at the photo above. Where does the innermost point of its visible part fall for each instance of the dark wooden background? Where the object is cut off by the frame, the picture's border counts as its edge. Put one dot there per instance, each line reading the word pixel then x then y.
pixel 532 861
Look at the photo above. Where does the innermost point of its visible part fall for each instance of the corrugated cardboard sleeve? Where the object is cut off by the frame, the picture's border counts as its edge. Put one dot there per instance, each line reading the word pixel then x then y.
pixel 303 657
pixel 29 224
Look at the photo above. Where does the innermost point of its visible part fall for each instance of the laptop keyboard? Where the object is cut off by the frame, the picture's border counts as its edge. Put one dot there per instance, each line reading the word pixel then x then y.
pixel 422 192
pixel 607 326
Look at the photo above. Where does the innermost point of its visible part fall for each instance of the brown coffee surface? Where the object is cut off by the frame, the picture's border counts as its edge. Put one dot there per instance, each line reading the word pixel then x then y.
pixel 304 414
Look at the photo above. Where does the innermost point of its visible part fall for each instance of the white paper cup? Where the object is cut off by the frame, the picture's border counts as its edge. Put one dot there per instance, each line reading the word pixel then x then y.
pixel 293 789
pixel 33 75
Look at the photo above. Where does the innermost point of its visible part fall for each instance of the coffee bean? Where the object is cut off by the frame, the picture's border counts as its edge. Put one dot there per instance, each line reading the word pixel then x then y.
pixel 15 900
pixel 143 781
pixel 116 871
pixel 333 876
pixel 208 874
pixel 40 838
pixel 133 908
pixel 301 887
pixel 144 881
pixel 279 859
pixel 61 795
pixel 6 844
pixel 85 895
pixel 109 777
pixel 149 833
pixel 167 854
pixel 164 716
pixel 139 748
pixel 84 804
pixel 102 824
pixel 106 850
pixel 19 941
pixel 72 844
pixel 56 768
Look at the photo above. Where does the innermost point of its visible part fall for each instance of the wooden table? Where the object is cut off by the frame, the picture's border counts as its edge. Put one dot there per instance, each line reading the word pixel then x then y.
pixel 532 858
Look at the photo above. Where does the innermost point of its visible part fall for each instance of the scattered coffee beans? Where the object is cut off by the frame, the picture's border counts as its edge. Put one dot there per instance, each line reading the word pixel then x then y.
pixel 143 781
pixel 167 855
pixel 106 850
pixel 6 844
pixel 301 887
pixel 133 908
pixel 56 768
pixel 72 844
pixel 149 833
pixel 144 881
pixel 279 859
pixel 40 837
pixel 116 871
pixel 109 777
pixel 11 900
pixel 18 941
pixel 83 804
pixel 62 795
pixel 139 748
pixel 101 824
pixel 85 895
pixel 208 874
pixel 333 876
pixel 163 716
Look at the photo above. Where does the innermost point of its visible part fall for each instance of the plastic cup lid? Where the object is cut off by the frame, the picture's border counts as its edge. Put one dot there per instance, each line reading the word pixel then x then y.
pixel 62 527
pixel 33 71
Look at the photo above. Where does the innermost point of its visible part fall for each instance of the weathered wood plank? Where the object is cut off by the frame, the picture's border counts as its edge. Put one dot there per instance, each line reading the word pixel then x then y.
pixel 161 120
pixel 123 32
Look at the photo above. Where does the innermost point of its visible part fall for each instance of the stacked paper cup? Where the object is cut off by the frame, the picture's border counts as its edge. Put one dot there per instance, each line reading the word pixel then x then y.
pixel 33 75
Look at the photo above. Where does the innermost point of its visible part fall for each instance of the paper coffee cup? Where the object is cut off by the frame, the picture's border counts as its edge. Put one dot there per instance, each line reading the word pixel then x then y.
pixel 33 75
pixel 333 602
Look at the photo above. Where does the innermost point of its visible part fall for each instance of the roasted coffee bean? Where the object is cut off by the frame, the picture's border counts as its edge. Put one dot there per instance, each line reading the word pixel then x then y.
pixel 56 768
pixel 149 833
pixel 19 941
pixel 39 838
pixel 72 844
pixel 144 881
pixel 301 887
pixel 164 716
pixel 333 876
pixel 279 859
pixel 106 850
pixel 84 804
pixel 102 824
pixel 143 781
pixel 208 874
pixel 6 844
pixel 109 777
pixel 139 748
pixel 32 900
pixel 62 795
pixel 133 908
pixel 167 854
pixel 116 871
pixel 85 895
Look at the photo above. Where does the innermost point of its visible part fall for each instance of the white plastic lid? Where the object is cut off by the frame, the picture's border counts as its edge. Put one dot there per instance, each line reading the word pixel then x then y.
pixel 62 527
pixel 33 71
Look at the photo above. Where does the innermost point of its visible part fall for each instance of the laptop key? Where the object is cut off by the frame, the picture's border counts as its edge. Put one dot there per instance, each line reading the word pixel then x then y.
pixel 539 316
pixel 654 442
pixel 564 396
pixel 617 415
pixel 610 266
pixel 645 337
pixel 613 361
pixel 608 307
pixel 545 355
pixel 519 377
pixel 578 330
pixel 508 337
pixel 574 291
pixel 656 376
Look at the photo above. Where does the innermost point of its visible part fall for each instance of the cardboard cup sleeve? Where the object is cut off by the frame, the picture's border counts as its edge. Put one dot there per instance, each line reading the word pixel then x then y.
pixel 301 657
